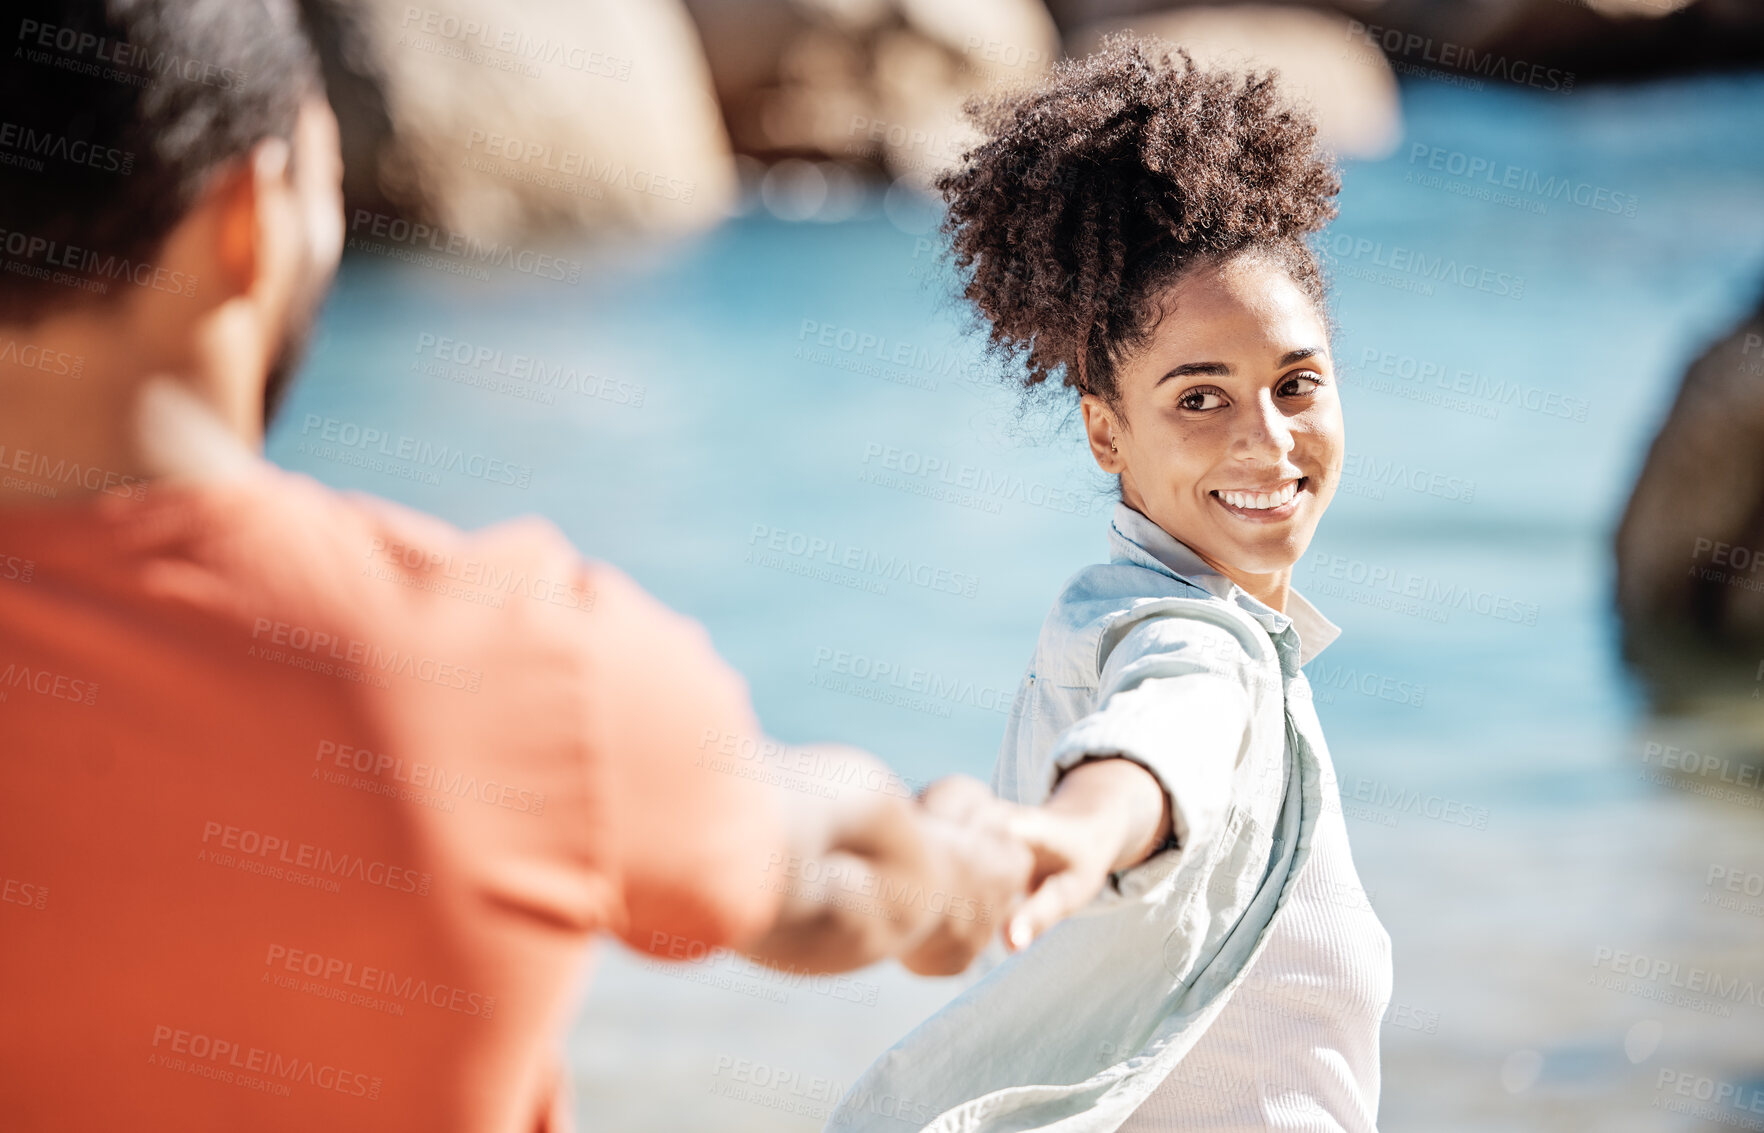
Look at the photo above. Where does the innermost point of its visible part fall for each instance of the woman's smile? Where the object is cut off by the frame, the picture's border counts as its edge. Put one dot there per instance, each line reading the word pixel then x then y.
pixel 1263 505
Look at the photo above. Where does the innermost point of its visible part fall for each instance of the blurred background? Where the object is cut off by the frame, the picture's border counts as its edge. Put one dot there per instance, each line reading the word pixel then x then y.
pixel 678 259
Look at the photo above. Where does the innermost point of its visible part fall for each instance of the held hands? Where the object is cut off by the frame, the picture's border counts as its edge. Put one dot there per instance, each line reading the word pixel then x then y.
pixel 982 869
pixel 877 873
pixel 1105 815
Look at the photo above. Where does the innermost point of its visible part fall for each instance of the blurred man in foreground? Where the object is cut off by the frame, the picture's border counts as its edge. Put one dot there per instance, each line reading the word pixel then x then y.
pixel 291 836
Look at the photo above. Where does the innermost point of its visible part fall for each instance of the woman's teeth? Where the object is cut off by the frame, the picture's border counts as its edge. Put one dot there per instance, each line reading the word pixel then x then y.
pixel 1260 501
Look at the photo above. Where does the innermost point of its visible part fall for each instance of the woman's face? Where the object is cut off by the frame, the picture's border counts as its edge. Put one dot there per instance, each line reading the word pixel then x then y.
pixel 1227 430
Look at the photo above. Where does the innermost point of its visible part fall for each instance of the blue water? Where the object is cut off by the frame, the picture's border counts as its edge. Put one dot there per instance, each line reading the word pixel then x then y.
pixel 748 432
pixel 738 433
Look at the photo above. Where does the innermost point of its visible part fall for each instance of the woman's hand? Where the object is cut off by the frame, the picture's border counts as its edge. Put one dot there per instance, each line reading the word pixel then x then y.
pixel 1106 814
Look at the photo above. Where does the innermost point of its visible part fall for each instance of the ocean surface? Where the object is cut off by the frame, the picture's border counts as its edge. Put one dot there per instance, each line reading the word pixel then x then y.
pixel 788 430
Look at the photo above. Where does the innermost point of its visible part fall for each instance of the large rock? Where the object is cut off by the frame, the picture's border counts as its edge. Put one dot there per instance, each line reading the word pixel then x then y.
pixel 876 83
pixel 493 119
pixel 1690 548
pixel 1583 39
pixel 1352 94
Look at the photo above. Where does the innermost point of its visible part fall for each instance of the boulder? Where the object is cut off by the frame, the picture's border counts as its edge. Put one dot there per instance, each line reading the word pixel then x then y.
pixel 1586 39
pixel 1352 93
pixel 878 84
pixel 1690 547
pixel 493 119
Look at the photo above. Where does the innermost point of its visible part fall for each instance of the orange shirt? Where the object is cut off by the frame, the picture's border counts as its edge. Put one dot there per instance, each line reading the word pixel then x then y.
pixel 309 805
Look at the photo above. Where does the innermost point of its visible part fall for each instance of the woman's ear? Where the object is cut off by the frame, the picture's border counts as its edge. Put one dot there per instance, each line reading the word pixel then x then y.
pixel 1106 432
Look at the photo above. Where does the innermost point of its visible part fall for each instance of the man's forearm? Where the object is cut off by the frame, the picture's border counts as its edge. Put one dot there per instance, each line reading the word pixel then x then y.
pixel 862 871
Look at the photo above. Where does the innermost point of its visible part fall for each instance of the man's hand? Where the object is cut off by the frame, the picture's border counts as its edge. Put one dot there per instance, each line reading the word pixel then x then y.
pixel 985 872
pixel 880 873
pixel 1105 815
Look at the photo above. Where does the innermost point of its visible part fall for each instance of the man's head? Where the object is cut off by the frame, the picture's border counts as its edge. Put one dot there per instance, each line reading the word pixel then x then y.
pixel 169 173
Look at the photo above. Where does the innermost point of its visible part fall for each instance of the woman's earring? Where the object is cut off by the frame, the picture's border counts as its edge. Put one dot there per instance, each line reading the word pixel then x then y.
pixel 1112 447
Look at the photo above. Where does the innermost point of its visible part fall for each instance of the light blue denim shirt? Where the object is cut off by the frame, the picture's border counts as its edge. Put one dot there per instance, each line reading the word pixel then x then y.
pixel 1156 657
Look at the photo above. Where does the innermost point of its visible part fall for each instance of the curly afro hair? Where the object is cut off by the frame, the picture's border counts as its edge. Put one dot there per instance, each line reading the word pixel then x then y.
pixel 1094 190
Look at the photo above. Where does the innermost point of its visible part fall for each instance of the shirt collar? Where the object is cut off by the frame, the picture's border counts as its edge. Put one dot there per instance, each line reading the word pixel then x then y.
pixel 1136 538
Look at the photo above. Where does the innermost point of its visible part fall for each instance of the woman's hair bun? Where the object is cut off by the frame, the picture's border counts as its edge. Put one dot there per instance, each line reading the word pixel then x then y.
pixel 1093 189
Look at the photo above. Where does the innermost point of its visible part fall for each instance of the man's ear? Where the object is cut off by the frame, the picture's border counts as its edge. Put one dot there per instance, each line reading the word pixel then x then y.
pixel 1105 432
pixel 246 197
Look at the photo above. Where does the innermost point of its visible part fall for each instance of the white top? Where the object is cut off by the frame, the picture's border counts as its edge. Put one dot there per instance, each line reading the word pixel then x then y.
pixel 1234 980
pixel 1296 1046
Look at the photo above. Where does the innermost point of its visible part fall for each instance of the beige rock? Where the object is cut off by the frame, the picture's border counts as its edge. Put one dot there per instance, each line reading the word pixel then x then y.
pixel 504 118
pixel 1349 87
pixel 875 83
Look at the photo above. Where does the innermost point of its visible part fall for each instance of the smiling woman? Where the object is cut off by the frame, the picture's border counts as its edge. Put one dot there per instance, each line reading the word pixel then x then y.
pixel 1136 228
pixel 1237 451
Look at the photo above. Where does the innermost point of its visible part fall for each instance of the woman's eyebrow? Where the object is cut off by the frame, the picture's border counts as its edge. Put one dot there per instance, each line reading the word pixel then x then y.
pixel 1195 368
pixel 1221 368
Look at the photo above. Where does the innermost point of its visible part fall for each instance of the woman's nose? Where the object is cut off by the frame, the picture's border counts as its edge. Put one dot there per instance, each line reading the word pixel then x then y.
pixel 1265 432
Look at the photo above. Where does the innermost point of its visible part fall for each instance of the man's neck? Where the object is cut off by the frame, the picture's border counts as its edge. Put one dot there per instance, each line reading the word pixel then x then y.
pixel 72 397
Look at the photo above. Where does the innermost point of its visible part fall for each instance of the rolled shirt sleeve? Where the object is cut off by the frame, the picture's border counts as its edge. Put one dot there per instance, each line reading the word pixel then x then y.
pixel 1172 697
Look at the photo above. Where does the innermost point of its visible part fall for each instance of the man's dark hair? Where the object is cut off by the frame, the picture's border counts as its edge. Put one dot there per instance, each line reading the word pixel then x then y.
pixel 113 114
pixel 1096 188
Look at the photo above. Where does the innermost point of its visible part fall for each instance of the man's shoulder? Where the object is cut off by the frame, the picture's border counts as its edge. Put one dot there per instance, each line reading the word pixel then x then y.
pixel 353 554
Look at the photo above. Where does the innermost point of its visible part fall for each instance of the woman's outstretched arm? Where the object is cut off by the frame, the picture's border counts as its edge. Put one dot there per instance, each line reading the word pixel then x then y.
pixel 1106 814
